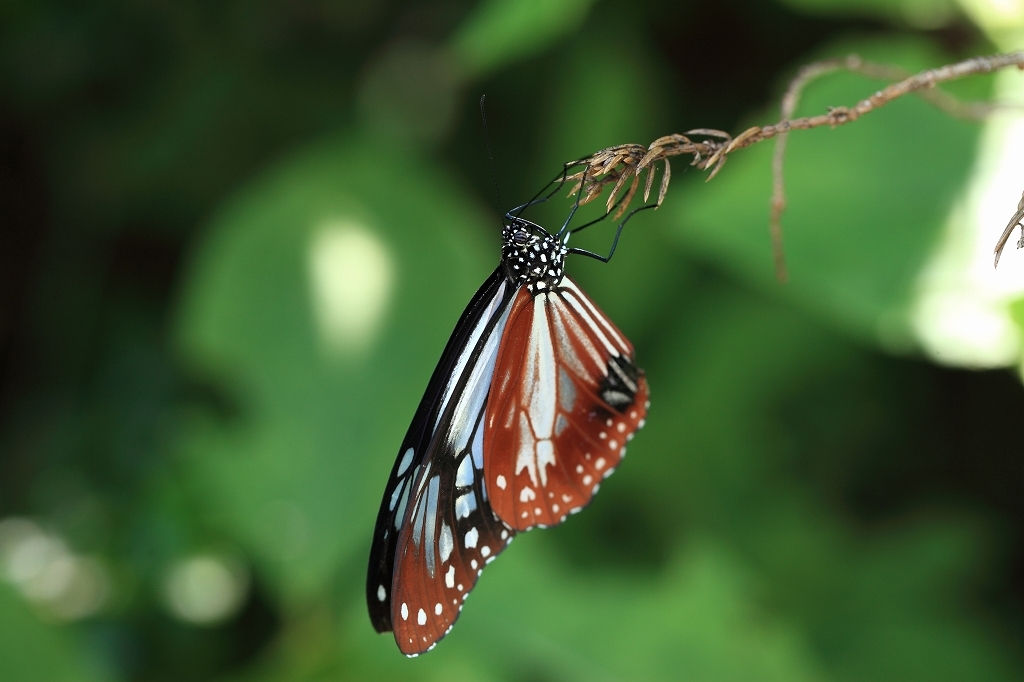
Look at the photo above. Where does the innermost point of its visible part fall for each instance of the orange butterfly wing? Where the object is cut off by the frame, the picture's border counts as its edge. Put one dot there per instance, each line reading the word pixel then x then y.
pixel 565 399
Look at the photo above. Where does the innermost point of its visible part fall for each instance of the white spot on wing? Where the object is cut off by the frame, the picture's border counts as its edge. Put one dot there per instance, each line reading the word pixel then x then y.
pixel 382 594
pixel 525 458
pixel 545 457
pixel 444 543
pixel 471 537
pixel 485 551
pixel 421 617
pixel 478 446
pixel 406 461
pixel 527 494
pixel 438 609
pixel 464 476
pixel 540 372
pixel 501 482
pixel 417 525
pixel 405 611
pixel 395 495
pixel 449 577
pixel 465 505
pixel 431 521
pixel 400 514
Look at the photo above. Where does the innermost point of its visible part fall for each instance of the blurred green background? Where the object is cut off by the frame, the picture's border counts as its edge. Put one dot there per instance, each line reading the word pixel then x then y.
pixel 236 235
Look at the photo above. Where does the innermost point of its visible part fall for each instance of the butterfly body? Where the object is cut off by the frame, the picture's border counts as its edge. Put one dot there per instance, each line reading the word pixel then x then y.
pixel 529 408
pixel 534 261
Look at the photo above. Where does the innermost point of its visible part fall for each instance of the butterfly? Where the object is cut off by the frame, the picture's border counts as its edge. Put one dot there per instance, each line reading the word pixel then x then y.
pixel 529 408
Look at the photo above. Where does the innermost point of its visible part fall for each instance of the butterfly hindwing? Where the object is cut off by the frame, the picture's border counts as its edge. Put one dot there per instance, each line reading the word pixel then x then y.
pixel 450 536
pixel 456 363
pixel 568 396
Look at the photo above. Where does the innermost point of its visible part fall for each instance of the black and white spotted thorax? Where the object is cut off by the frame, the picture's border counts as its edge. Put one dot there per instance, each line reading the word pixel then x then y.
pixel 531 255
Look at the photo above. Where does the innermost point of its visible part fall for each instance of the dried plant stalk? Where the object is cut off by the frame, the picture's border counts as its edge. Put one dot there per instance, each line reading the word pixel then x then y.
pixel 710 148
pixel 1016 221
pixel 790 101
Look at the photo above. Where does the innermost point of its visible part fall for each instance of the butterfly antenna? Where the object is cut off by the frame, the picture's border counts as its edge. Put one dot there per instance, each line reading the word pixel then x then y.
pixel 490 156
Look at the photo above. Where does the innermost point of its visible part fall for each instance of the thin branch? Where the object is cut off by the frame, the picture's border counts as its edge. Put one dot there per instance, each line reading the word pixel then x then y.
pixel 841 115
pixel 1016 220
pixel 790 101
pixel 778 204
pixel 710 148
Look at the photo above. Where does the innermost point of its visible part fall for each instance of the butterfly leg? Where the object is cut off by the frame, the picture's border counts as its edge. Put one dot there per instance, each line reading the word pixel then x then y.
pixel 615 241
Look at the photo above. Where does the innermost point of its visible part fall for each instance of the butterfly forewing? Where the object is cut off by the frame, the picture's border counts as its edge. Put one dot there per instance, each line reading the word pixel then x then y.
pixel 567 398
pixel 436 429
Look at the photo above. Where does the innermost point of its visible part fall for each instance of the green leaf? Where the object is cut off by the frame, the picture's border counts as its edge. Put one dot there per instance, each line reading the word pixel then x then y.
pixel 32 651
pixel 1017 312
pixel 918 13
pixel 721 456
pixel 499 32
pixel 697 619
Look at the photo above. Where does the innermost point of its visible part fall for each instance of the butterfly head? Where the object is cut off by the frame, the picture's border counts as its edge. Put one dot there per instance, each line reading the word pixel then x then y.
pixel 531 255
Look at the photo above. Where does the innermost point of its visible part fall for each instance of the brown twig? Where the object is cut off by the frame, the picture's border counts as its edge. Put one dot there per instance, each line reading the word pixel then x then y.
pixel 790 101
pixel 853 63
pixel 1017 219
pixel 613 165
